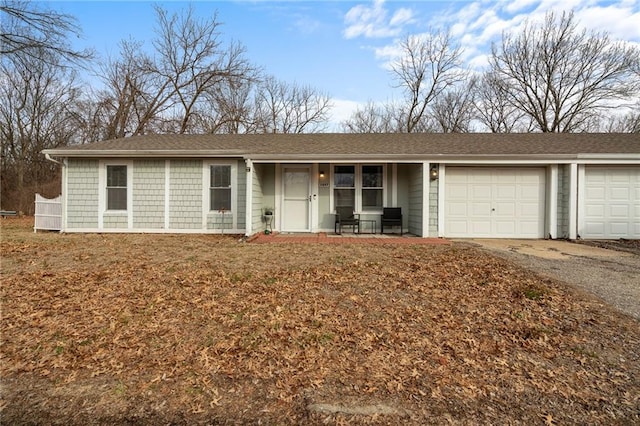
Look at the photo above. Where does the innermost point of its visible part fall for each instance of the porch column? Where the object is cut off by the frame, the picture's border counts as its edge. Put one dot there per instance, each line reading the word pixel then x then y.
pixel 580 206
pixel 248 221
pixel 441 179
pixel 573 201
pixel 552 202
pixel 426 181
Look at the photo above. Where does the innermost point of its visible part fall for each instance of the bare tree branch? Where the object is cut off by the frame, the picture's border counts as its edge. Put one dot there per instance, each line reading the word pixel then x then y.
pixel 561 77
pixel 27 31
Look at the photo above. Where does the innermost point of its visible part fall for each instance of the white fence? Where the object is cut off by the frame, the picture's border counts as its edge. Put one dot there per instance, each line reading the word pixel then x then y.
pixel 48 213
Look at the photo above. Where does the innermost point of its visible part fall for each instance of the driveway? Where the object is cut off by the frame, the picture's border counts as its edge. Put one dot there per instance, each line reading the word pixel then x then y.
pixel 612 275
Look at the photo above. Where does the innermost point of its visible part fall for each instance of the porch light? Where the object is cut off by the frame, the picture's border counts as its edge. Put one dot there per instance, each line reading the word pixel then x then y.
pixel 321 174
pixel 433 172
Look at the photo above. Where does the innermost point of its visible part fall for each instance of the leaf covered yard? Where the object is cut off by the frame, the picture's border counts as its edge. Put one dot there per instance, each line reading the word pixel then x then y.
pixel 196 329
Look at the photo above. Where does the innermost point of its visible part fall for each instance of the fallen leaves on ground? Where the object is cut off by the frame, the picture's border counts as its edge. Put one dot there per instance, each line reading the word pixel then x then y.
pixel 194 329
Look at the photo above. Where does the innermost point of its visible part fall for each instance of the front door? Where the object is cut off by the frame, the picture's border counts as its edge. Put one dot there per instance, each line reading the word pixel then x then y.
pixel 296 201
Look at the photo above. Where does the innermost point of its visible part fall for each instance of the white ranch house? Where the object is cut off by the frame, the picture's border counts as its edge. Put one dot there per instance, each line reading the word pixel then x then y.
pixel 485 185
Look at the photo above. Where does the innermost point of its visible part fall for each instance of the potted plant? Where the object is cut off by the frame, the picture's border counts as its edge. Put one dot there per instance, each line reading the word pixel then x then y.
pixel 267 216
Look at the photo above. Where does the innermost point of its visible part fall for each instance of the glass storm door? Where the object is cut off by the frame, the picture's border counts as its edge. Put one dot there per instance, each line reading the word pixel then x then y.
pixel 296 198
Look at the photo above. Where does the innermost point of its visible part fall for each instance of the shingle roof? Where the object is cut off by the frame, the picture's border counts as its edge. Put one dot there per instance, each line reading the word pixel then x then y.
pixel 351 145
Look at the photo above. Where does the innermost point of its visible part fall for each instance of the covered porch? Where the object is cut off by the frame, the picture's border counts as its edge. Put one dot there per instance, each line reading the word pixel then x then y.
pixel 303 195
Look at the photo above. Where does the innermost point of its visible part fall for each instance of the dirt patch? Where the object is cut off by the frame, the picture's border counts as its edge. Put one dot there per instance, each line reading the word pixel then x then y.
pixel 197 329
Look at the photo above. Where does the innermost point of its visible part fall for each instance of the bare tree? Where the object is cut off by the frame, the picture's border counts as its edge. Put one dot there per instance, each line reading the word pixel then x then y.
pixel 454 110
pixel 127 105
pixel 374 118
pixel 37 97
pixel 428 66
pixel 494 109
pixel 28 31
pixel 193 61
pixel 231 108
pixel 167 91
pixel 290 108
pixel 626 123
pixel 562 77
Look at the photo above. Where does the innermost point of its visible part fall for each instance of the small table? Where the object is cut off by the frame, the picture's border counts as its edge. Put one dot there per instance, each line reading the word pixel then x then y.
pixel 372 226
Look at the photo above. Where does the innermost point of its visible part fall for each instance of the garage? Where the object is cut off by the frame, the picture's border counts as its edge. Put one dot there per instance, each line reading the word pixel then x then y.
pixel 494 202
pixel 611 206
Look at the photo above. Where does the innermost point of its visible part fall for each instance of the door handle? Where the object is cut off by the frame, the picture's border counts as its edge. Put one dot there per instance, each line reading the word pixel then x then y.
pixel 309 198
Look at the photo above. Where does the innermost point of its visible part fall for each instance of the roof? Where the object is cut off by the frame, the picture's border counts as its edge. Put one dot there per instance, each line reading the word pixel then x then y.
pixel 363 146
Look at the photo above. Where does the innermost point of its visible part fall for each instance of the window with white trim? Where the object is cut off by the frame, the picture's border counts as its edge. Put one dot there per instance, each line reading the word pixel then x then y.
pixel 372 187
pixel 220 187
pixel 360 186
pixel 116 187
pixel 344 186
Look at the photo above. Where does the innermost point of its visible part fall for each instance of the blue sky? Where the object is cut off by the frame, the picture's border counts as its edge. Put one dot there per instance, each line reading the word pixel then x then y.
pixel 342 47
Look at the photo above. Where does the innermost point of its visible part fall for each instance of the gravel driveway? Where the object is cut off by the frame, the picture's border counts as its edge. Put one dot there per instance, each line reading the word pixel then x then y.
pixel 612 275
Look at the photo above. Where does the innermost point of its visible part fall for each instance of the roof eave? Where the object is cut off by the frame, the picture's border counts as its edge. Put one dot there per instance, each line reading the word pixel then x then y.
pixel 633 158
pixel 163 153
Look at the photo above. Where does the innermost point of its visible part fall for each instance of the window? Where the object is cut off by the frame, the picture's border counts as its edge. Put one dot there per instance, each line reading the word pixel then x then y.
pixel 360 186
pixel 344 186
pixel 116 187
pixel 372 187
pixel 220 188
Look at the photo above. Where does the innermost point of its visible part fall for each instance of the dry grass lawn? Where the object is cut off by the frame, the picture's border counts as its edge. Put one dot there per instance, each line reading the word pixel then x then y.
pixel 195 329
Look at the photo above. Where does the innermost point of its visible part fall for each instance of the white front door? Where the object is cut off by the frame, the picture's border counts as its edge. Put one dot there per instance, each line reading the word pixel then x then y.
pixel 296 200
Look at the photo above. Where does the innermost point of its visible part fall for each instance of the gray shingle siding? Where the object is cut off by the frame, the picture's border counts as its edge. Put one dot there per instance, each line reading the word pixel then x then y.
pixel 185 194
pixel 564 173
pixel 241 190
pixel 82 193
pixel 148 194
pixel 115 220
pixel 415 199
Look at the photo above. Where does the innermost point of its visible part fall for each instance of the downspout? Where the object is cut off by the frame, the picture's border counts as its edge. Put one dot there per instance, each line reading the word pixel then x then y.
pixel 249 198
pixel 48 157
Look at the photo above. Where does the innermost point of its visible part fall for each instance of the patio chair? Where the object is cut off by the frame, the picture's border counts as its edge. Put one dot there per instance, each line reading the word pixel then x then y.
pixel 346 217
pixel 391 216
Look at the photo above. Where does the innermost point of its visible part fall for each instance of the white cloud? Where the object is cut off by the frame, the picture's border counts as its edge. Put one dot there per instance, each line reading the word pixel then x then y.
pixel 476 25
pixel 519 5
pixel 402 16
pixel 307 25
pixel 373 22
pixel 342 110
pixel 622 23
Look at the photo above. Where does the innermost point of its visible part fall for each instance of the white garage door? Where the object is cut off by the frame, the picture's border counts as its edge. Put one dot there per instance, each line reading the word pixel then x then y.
pixel 494 202
pixel 611 202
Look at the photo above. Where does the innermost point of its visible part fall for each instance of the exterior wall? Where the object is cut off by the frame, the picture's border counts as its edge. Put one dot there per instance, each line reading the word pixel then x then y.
pixel 82 194
pixel 185 194
pixel 241 191
pixel 235 219
pixel 415 198
pixel 403 189
pixel 147 200
pixel 148 194
pixel 115 220
pixel 326 220
pixel 563 200
pixel 263 194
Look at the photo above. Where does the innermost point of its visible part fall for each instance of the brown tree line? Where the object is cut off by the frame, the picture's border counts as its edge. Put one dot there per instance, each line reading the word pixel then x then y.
pixel 551 77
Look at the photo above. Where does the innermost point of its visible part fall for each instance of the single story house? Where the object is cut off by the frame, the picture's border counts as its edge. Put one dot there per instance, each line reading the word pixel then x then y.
pixel 531 185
